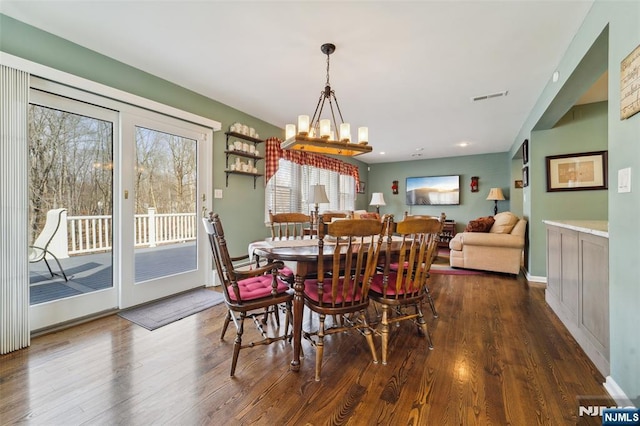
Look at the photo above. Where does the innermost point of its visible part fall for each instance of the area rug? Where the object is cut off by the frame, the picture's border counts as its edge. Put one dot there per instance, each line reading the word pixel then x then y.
pixel 441 266
pixel 162 312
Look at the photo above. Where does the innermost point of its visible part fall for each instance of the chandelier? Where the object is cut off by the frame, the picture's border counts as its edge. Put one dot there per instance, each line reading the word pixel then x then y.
pixel 318 135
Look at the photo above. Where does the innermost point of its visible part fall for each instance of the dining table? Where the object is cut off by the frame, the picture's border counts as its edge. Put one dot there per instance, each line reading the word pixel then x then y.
pixel 301 255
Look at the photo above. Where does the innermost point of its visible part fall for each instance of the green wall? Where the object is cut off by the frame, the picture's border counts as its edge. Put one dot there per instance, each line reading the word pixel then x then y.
pixel 516 193
pixel 581 65
pixel 492 169
pixel 608 34
pixel 582 129
pixel 242 207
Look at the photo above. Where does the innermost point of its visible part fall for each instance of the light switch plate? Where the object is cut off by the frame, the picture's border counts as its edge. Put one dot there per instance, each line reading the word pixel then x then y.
pixel 624 180
pixel 217 193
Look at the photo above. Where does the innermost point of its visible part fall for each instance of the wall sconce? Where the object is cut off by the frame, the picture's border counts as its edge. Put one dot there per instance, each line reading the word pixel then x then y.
pixel 394 187
pixel 474 183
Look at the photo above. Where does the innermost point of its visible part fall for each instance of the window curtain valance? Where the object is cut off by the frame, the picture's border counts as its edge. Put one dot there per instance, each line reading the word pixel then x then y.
pixel 274 153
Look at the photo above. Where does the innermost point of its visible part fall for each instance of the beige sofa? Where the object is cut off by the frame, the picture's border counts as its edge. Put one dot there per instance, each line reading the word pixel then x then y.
pixel 499 250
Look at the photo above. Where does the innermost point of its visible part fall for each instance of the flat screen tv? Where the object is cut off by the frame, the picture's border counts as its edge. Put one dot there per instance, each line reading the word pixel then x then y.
pixel 433 190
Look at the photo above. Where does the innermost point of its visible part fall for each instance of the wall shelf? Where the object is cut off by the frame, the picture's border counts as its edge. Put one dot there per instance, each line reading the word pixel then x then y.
pixel 242 154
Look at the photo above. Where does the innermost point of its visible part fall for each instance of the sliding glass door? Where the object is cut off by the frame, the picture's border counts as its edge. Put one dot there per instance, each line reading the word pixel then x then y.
pixel 116 199
pixel 71 220
pixel 164 199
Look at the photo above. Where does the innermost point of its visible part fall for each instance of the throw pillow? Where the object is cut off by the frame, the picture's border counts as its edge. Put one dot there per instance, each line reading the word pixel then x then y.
pixel 504 223
pixel 369 216
pixel 481 224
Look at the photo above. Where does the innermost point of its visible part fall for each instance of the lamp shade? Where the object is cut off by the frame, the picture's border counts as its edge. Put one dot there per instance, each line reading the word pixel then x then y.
pixel 495 194
pixel 377 199
pixel 318 195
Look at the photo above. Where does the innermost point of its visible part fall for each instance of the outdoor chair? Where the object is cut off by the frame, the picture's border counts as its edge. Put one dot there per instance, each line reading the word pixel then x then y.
pixel 405 289
pixel 254 293
pixel 354 246
pixel 40 248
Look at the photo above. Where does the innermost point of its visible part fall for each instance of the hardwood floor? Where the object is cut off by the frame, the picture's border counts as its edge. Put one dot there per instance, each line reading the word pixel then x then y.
pixel 501 357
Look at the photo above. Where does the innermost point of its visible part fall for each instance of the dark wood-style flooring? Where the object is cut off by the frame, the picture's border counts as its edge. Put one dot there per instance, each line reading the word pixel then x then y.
pixel 501 357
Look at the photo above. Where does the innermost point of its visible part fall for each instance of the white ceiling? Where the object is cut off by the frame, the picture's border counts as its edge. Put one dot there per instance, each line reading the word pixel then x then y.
pixel 407 70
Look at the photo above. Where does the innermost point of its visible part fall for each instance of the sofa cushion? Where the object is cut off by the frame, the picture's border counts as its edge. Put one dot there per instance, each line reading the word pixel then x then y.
pixel 456 242
pixel 504 223
pixel 369 216
pixel 357 213
pixel 481 224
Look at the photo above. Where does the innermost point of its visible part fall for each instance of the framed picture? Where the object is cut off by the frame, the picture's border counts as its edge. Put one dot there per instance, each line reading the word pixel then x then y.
pixel 525 176
pixel 525 152
pixel 630 84
pixel 518 184
pixel 575 172
pixel 362 187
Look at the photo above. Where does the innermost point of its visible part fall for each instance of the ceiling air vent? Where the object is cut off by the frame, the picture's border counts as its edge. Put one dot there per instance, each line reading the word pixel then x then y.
pixel 492 95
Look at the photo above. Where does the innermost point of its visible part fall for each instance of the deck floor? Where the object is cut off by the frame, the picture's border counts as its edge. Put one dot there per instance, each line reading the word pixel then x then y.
pixel 92 272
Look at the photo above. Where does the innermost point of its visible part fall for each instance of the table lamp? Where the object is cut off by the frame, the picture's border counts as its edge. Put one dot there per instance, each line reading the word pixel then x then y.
pixel 377 199
pixel 495 195
pixel 318 195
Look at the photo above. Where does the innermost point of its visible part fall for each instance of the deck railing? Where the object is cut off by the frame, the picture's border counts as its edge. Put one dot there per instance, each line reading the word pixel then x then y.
pixel 90 234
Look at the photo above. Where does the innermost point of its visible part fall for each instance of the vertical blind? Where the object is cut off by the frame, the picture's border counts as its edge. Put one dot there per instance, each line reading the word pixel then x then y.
pixel 14 267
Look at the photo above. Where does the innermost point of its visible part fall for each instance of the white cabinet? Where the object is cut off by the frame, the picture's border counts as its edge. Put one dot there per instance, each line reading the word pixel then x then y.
pixel 578 287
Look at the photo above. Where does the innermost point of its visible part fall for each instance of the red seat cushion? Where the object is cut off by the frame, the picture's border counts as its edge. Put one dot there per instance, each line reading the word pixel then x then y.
pixel 286 272
pixel 376 284
pixel 257 287
pixel 394 266
pixel 311 291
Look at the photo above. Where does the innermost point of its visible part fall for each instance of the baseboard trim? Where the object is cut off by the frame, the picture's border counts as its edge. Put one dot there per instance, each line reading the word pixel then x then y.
pixel 540 281
pixel 616 392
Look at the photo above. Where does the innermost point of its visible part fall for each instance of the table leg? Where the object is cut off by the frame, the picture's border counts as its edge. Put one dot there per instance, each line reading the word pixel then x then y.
pixel 298 312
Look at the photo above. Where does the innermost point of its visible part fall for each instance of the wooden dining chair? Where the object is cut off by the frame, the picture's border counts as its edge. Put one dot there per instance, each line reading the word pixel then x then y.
pixel 328 217
pixel 405 289
pixel 354 245
pixel 290 225
pixel 394 265
pixel 251 293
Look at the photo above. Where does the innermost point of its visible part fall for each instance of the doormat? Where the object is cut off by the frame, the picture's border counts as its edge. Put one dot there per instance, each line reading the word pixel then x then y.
pixel 162 312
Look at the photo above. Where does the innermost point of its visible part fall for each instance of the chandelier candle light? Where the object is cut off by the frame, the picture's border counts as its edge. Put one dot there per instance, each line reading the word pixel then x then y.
pixel 318 135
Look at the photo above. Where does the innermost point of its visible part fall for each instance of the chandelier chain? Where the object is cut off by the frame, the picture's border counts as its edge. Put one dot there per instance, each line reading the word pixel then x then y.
pixel 328 84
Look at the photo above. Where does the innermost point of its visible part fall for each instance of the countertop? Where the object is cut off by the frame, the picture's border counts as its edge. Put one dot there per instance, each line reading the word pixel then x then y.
pixel 595 227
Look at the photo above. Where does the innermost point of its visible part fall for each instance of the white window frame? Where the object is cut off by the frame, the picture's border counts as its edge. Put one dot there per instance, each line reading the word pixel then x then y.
pixel 297 179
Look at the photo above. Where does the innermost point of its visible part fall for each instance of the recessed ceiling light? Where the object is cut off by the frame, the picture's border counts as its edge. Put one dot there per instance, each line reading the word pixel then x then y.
pixel 382 153
pixel 419 149
pixel 463 144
